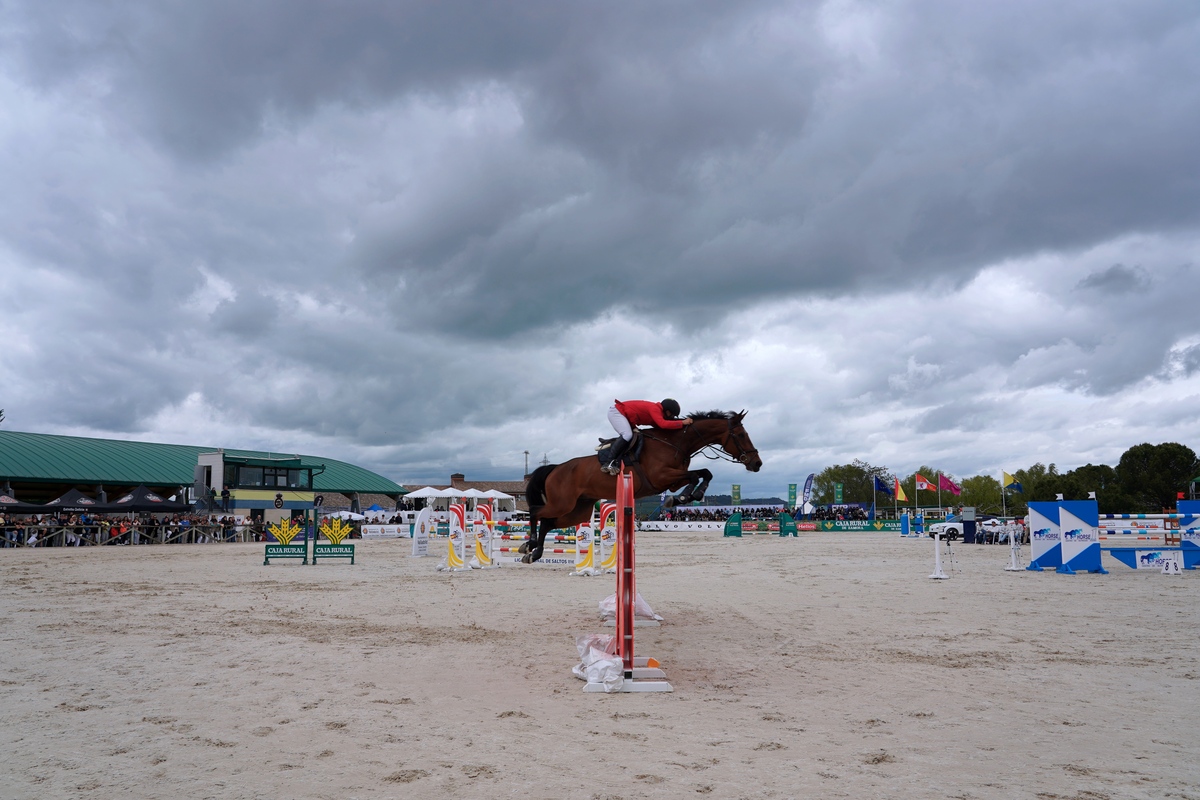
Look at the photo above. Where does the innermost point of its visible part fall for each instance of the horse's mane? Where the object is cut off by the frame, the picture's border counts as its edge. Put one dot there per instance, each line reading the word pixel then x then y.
pixel 712 415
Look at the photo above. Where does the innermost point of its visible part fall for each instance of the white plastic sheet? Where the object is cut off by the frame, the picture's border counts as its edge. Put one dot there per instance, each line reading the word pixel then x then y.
pixel 641 609
pixel 599 663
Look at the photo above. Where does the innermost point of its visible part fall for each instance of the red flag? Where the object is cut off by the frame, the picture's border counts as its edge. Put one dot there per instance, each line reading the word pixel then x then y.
pixel 948 485
pixel 923 483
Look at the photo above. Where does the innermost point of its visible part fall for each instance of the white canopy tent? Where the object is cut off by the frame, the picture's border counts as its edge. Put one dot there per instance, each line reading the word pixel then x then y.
pixel 503 502
pixel 432 494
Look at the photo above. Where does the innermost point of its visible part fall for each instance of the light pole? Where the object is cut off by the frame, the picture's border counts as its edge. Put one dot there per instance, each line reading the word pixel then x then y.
pixel 526 462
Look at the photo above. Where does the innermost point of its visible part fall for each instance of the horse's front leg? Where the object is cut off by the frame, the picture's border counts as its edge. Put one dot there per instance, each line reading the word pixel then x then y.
pixel 696 491
pixel 687 481
pixel 537 541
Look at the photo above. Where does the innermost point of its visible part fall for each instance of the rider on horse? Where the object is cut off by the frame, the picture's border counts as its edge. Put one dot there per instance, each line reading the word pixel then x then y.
pixel 624 414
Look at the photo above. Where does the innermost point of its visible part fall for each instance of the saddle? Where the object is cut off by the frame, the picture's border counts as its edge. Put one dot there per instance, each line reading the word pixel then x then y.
pixel 632 454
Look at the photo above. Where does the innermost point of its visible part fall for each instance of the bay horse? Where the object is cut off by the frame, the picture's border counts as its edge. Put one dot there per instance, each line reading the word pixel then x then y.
pixel 561 495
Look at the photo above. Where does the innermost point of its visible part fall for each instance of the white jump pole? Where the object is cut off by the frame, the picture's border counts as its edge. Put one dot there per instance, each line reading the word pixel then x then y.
pixel 938 575
pixel 1014 547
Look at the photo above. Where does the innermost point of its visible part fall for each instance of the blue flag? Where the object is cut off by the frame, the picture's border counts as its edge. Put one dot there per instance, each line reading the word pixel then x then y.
pixel 880 486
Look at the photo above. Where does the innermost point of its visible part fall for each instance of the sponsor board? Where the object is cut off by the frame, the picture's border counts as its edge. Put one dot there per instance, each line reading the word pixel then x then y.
pixel 386 531
pixel 669 525
pixel 333 551
pixel 1154 559
pixel 852 525
pixel 760 526
pixel 286 551
pixel 547 560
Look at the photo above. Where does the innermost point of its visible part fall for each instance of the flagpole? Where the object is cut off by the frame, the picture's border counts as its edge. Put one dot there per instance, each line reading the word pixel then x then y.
pixel 1003 505
pixel 943 513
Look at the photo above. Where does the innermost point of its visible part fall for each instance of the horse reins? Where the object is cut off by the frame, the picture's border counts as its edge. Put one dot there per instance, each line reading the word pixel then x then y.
pixel 719 454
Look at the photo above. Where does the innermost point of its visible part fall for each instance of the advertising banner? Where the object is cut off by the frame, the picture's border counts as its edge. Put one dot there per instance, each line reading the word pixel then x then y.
pixel 1189 529
pixel 791 495
pixel 1045 539
pixel 837 493
pixel 859 525
pixel 385 531
pixel 423 527
pixel 1077 520
pixel 737 494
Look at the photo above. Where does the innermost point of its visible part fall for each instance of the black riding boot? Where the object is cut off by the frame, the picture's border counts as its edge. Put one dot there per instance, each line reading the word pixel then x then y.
pixel 618 449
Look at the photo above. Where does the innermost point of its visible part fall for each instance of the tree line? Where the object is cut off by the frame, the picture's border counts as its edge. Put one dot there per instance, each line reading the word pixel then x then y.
pixel 1147 479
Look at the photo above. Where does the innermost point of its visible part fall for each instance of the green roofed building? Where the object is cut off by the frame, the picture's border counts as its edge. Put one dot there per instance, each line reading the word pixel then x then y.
pixel 38 467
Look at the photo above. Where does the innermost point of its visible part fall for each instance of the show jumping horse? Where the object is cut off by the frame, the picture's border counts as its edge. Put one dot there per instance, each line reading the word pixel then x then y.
pixel 561 495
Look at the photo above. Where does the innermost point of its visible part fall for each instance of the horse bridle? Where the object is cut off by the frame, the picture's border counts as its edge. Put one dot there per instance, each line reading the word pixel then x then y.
pixel 745 451
pixel 718 453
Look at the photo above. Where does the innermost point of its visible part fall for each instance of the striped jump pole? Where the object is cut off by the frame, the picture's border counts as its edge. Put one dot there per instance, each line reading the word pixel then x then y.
pixel 606 552
pixel 485 534
pixel 456 544
pixel 640 674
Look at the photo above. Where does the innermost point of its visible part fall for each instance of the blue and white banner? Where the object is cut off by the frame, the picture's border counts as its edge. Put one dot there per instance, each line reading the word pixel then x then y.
pixel 1045 536
pixel 1078 520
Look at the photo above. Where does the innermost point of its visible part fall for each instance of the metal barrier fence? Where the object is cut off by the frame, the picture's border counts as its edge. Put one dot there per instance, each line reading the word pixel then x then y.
pixel 60 535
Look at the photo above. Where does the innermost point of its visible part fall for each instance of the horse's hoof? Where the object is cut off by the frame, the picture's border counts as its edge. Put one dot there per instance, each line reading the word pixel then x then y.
pixel 524 548
pixel 526 559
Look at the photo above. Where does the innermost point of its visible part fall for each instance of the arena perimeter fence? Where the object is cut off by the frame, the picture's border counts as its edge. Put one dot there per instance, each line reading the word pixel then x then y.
pixel 60 535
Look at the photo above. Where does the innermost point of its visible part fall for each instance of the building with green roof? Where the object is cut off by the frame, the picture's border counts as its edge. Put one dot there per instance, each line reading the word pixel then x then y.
pixel 38 467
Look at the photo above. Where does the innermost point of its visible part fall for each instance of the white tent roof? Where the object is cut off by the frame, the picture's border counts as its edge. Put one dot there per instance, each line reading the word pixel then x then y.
pixel 429 491
pixel 475 493
pixel 497 495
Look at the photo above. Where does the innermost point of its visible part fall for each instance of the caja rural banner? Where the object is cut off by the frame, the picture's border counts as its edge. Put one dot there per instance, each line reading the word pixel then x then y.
pixel 851 525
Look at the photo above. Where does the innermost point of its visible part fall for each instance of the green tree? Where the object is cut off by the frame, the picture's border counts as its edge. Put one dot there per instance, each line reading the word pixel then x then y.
pixel 982 492
pixel 857 479
pixel 1151 474
pixel 1039 482
pixel 1098 478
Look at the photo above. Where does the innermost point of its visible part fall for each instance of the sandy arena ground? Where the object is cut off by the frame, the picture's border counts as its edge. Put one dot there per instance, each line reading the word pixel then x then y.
pixel 828 666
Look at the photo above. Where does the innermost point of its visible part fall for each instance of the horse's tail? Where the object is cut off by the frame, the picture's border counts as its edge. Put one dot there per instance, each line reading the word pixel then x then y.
pixel 535 489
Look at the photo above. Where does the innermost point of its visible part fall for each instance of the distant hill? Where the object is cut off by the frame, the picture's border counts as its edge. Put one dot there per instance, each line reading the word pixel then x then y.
pixel 647 505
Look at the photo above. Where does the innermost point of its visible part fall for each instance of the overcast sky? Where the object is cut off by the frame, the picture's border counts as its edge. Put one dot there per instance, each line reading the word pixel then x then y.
pixel 425 237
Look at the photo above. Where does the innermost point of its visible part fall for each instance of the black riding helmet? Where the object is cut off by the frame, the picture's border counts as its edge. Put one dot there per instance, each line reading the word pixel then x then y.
pixel 670 409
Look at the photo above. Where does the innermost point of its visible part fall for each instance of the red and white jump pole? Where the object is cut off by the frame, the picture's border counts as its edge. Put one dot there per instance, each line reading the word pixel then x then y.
pixel 641 674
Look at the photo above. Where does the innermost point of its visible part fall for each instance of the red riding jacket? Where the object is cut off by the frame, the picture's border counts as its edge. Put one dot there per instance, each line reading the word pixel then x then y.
pixel 643 412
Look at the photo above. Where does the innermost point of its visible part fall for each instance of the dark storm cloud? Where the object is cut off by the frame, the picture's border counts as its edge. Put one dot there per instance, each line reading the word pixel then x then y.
pixel 712 153
pixel 206 76
pixel 1117 280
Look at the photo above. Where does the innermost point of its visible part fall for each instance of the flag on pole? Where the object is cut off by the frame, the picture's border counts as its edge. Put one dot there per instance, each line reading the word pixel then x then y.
pixel 881 486
pixel 1010 482
pixel 900 495
pixel 949 485
pixel 923 483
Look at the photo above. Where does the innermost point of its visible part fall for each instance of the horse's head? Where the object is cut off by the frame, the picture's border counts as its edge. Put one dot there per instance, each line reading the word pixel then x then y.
pixel 737 444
